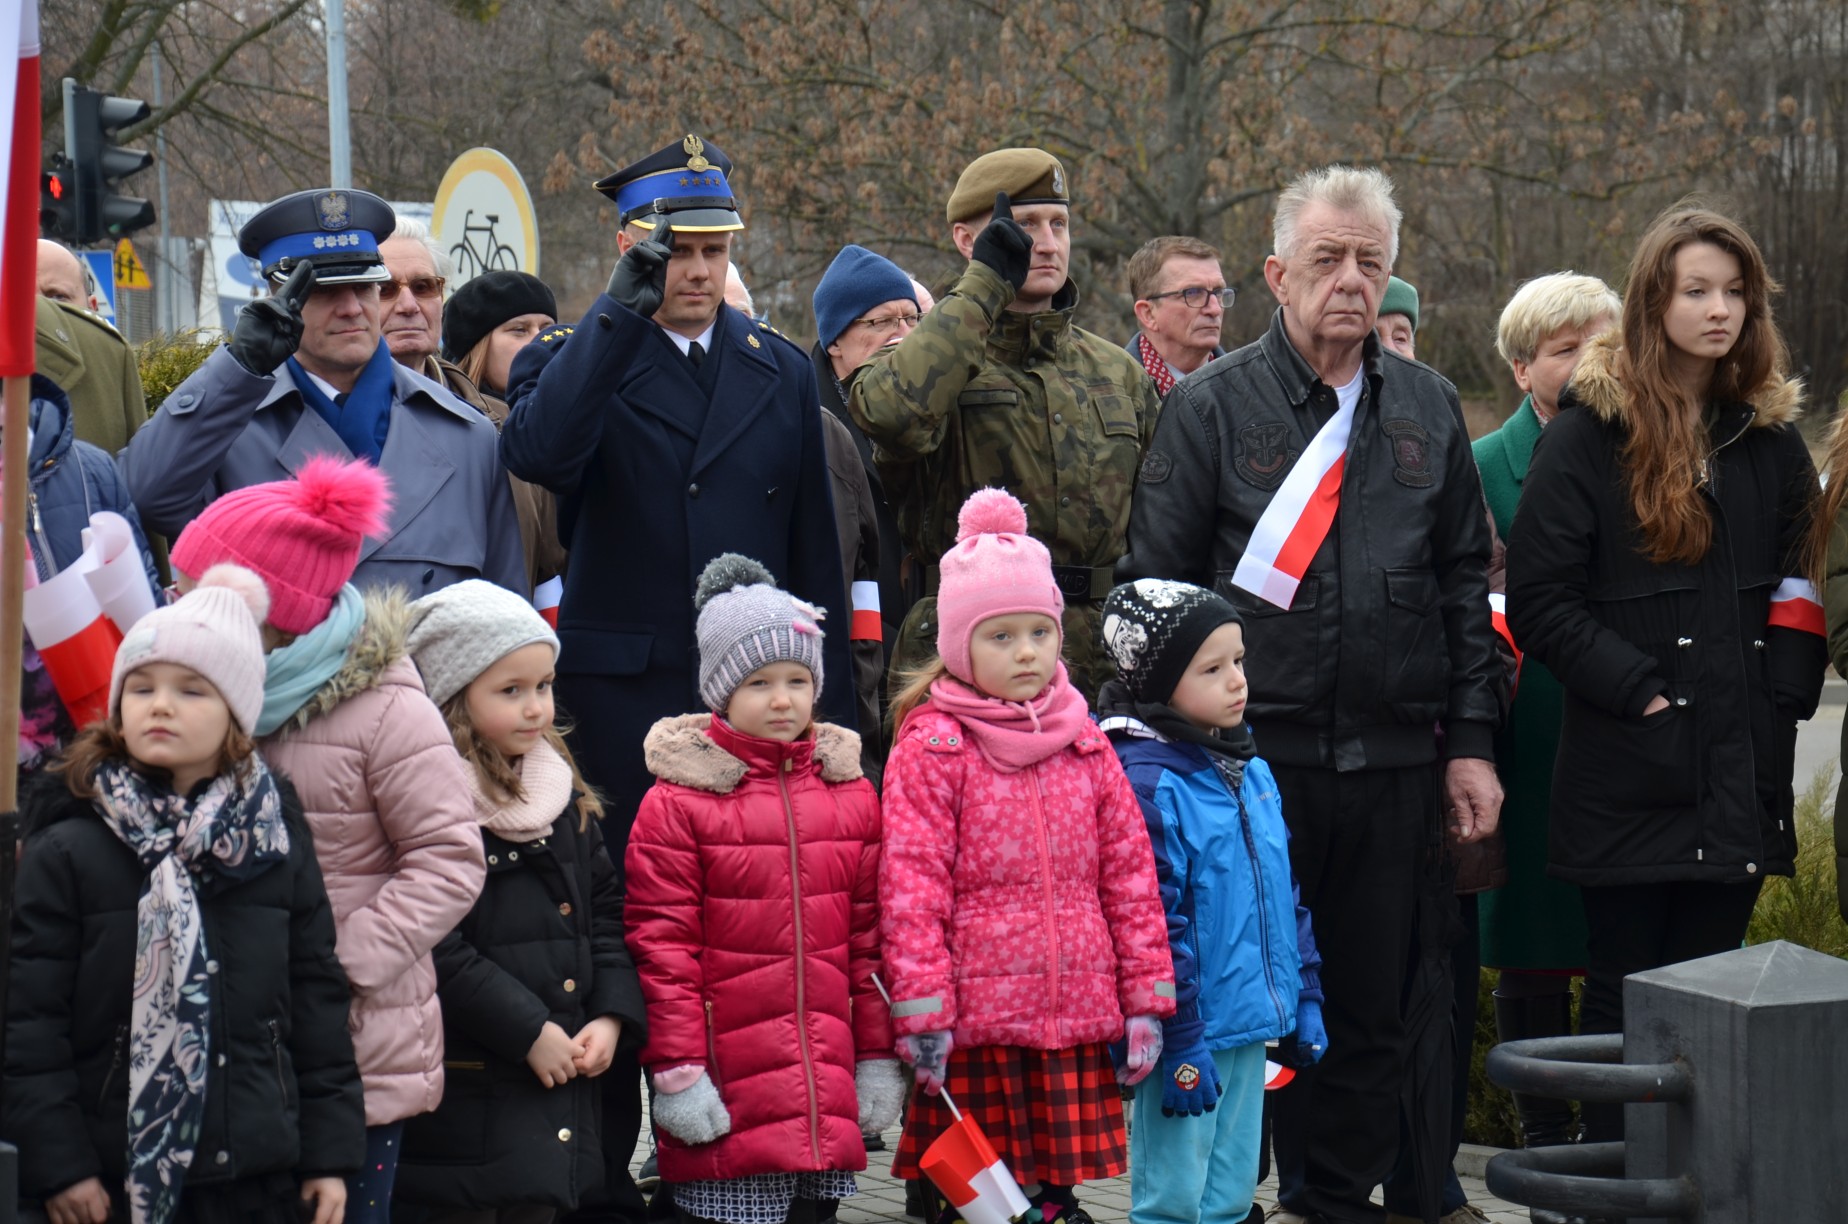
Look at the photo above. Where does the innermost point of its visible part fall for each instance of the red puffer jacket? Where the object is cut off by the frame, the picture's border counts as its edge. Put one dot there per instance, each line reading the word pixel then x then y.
pixel 1018 909
pixel 753 919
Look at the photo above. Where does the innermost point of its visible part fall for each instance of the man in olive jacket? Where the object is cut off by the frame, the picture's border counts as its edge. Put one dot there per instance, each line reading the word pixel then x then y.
pixel 1326 488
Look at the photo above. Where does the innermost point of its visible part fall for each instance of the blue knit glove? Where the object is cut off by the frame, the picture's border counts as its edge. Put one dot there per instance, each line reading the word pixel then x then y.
pixel 1190 1081
pixel 1311 1037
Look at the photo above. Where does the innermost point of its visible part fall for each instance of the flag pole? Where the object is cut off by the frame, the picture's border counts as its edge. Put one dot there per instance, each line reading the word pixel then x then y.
pixel 941 1091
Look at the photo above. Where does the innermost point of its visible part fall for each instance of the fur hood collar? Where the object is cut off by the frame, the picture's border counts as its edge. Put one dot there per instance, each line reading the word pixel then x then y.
pixel 679 750
pixel 378 645
pixel 1596 386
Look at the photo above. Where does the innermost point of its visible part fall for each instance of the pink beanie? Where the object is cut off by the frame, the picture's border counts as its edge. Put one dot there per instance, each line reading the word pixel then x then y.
pixel 994 569
pixel 301 536
pixel 212 630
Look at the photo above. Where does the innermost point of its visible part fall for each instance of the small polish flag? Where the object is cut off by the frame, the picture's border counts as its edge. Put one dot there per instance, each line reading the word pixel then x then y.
pixel 964 1166
pixel 1794 606
pixel 866 626
pixel 1498 617
pixel 546 598
pixel 1276 1075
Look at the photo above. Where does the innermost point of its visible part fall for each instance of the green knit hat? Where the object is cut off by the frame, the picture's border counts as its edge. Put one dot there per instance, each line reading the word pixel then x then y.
pixel 1400 298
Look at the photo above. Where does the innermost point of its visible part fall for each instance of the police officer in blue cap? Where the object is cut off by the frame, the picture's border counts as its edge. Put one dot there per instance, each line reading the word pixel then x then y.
pixel 673 428
pixel 306 373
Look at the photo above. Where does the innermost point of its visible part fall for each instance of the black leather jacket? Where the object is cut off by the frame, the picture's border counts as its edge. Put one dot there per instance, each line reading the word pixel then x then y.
pixel 1388 638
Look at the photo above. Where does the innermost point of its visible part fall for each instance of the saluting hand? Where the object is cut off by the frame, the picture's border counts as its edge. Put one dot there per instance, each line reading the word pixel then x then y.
pixel 269 330
pixel 640 279
pixel 1003 245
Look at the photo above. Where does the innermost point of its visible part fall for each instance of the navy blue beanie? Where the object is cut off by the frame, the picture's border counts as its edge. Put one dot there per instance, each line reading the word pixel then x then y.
pixel 854 283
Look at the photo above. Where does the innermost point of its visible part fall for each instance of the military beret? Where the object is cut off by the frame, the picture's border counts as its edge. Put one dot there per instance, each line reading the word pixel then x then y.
pixel 1401 298
pixel 338 231
pixel 1029 176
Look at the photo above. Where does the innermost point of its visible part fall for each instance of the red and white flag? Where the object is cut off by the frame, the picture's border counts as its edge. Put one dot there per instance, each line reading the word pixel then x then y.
pixel 546 598
pixel 965 1168
pixel 866 625
pixel 19 189
pixel 77 618
pixel 1794 606
pixel 1297 520
pixel 1276 1075
pixel 1498 617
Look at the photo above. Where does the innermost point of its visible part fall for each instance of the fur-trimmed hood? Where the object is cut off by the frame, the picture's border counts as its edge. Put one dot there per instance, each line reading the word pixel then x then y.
pixel 1596 386
pixel 378 644
pixel 679 750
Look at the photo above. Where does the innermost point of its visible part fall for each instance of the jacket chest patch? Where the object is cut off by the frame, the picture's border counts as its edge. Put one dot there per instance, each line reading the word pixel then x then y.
pixel 1262 454
pixel 1411 453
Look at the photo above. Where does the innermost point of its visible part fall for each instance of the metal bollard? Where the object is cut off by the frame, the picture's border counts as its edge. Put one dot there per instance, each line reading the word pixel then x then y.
pixel 1733 1068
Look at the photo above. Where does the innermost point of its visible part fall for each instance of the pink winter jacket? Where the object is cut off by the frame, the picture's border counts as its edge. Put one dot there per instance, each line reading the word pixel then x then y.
pixel 1018 909
pixel 393 816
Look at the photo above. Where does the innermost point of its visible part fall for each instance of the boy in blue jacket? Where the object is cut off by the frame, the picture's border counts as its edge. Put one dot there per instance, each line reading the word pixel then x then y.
pixel 1246 970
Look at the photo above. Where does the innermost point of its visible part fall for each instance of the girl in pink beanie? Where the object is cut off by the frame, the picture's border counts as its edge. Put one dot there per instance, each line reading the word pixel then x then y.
pixel 1022 922
pixel 344 713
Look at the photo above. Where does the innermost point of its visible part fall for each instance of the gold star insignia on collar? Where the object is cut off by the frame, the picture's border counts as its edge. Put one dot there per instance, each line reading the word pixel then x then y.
pixel 752 341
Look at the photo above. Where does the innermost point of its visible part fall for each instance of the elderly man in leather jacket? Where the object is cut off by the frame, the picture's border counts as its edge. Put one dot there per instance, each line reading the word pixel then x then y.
pixel 1325 486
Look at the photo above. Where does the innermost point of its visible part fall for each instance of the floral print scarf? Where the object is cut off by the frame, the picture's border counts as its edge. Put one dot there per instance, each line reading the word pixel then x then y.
pixel 232 831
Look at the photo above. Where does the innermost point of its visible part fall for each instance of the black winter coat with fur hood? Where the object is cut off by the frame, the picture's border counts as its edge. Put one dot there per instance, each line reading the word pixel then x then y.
pixel 1701 790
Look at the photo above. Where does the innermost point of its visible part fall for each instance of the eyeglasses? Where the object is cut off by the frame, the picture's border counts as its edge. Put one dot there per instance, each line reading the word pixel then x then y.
pixel 887 324
pixel 422 287
pixel 1196 297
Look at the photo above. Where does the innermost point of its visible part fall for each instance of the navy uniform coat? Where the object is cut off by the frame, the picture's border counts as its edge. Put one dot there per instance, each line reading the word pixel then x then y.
pixel 224 428
pixel 654 480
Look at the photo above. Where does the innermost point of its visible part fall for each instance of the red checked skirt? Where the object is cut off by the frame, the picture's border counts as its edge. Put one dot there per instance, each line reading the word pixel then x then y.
pixel 1055 1116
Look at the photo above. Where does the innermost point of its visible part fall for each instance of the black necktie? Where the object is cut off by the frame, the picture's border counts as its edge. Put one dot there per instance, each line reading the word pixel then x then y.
pixel 340 400
pixel 695 353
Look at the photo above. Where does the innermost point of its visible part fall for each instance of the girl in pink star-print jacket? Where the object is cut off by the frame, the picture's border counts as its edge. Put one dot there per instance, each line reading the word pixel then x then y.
pixel 1022 920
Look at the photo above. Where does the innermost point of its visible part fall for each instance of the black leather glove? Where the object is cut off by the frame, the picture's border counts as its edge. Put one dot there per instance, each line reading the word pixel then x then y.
pixel 640 279
pixel 1003 245
pixel 269 329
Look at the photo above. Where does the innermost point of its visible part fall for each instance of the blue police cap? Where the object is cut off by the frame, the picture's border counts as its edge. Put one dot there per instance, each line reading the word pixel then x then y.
pixel 684 182
pixel 337 231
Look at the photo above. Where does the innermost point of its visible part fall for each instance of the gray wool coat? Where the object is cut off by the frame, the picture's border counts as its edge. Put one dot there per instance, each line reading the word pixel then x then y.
pixel 452 514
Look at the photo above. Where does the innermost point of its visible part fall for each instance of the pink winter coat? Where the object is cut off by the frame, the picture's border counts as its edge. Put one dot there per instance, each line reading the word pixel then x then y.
pixel 394 827
pixel 1018 909
pixel 751 892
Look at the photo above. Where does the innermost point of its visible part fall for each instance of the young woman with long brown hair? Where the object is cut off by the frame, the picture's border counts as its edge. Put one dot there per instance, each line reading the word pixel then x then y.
pixel 1655 568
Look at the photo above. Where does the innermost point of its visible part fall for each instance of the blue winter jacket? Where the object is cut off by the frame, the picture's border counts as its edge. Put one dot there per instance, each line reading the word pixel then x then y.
pixel 70 480
pixel 1244 953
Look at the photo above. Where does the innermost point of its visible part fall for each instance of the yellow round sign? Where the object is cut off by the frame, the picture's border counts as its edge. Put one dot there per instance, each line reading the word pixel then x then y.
pixel 484 217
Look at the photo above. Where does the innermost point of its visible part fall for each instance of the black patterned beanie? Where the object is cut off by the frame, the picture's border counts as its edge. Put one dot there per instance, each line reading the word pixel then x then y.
pixel 1152 629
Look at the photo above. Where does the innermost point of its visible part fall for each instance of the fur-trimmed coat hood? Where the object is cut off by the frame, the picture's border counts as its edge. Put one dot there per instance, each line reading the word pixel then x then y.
pixel 393 815
pixel 682 750
pixel 1595 385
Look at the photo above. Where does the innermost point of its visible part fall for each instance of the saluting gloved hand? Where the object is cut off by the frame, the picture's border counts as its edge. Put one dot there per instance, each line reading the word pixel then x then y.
pixel 1311 1037
pixel 1003 245
pixel 929 1056
pixel 1190 1080
pixel 1142 1049
pixel 640 279
pixel 687 1106
pixel 269 329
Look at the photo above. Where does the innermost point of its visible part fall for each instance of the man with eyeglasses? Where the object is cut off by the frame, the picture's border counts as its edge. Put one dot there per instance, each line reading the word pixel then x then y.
pixel 1181 303
pixel 307 373
pixel 997 387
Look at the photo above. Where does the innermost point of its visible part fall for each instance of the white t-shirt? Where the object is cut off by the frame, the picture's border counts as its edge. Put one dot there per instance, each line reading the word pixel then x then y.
pixel 1348 396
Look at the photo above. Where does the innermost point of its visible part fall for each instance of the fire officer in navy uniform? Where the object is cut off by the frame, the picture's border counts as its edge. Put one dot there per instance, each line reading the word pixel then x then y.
pixel 672 428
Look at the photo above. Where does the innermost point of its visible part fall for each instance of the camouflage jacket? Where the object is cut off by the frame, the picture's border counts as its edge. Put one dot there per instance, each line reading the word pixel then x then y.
pixel 981 395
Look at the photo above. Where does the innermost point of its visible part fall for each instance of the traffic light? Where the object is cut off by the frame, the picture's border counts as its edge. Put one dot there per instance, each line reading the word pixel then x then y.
pixel 58 202
pixel 91 120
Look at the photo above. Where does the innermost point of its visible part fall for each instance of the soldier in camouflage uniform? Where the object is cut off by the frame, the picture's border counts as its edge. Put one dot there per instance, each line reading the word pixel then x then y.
pixel 996 387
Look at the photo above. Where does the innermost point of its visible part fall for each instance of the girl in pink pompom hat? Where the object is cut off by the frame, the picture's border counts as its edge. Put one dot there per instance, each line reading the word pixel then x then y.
pixel 1023 927
pixel 344 713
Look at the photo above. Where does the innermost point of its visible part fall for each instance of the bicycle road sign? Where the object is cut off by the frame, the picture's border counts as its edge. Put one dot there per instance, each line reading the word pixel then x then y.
pixel 484 217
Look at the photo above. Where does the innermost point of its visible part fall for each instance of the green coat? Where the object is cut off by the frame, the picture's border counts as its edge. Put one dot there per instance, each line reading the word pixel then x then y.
pixel 1534 922
pixel 96 368
pixel 981 395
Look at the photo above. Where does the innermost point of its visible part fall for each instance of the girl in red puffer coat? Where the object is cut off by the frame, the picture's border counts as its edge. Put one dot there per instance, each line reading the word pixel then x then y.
pixel 1023 924
pixel 752 918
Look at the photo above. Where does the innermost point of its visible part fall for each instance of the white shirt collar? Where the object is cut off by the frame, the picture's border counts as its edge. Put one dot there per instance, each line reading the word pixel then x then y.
pixel 328 389
pixel 684 342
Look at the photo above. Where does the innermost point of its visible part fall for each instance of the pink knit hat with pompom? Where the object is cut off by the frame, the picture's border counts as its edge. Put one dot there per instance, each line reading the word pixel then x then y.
pixel 301 536
pixel 211 630
pixel 994 569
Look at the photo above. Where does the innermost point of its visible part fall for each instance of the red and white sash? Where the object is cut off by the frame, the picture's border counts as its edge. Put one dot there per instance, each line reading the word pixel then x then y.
pixel 1297 520
pixel 1794 606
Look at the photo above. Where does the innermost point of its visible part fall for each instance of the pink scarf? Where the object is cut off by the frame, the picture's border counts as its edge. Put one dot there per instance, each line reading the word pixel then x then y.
pixel 1016 734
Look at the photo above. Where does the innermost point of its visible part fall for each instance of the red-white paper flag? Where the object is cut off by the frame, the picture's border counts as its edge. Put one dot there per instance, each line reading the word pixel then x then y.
pixel 866 626
pixel 1276 1075
pixel 19 185
pixel 546 598
pixel 966 1170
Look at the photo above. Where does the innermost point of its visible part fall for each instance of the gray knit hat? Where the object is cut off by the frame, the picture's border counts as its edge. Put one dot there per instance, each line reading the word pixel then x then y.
pixel 746 622
pixel 462 630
